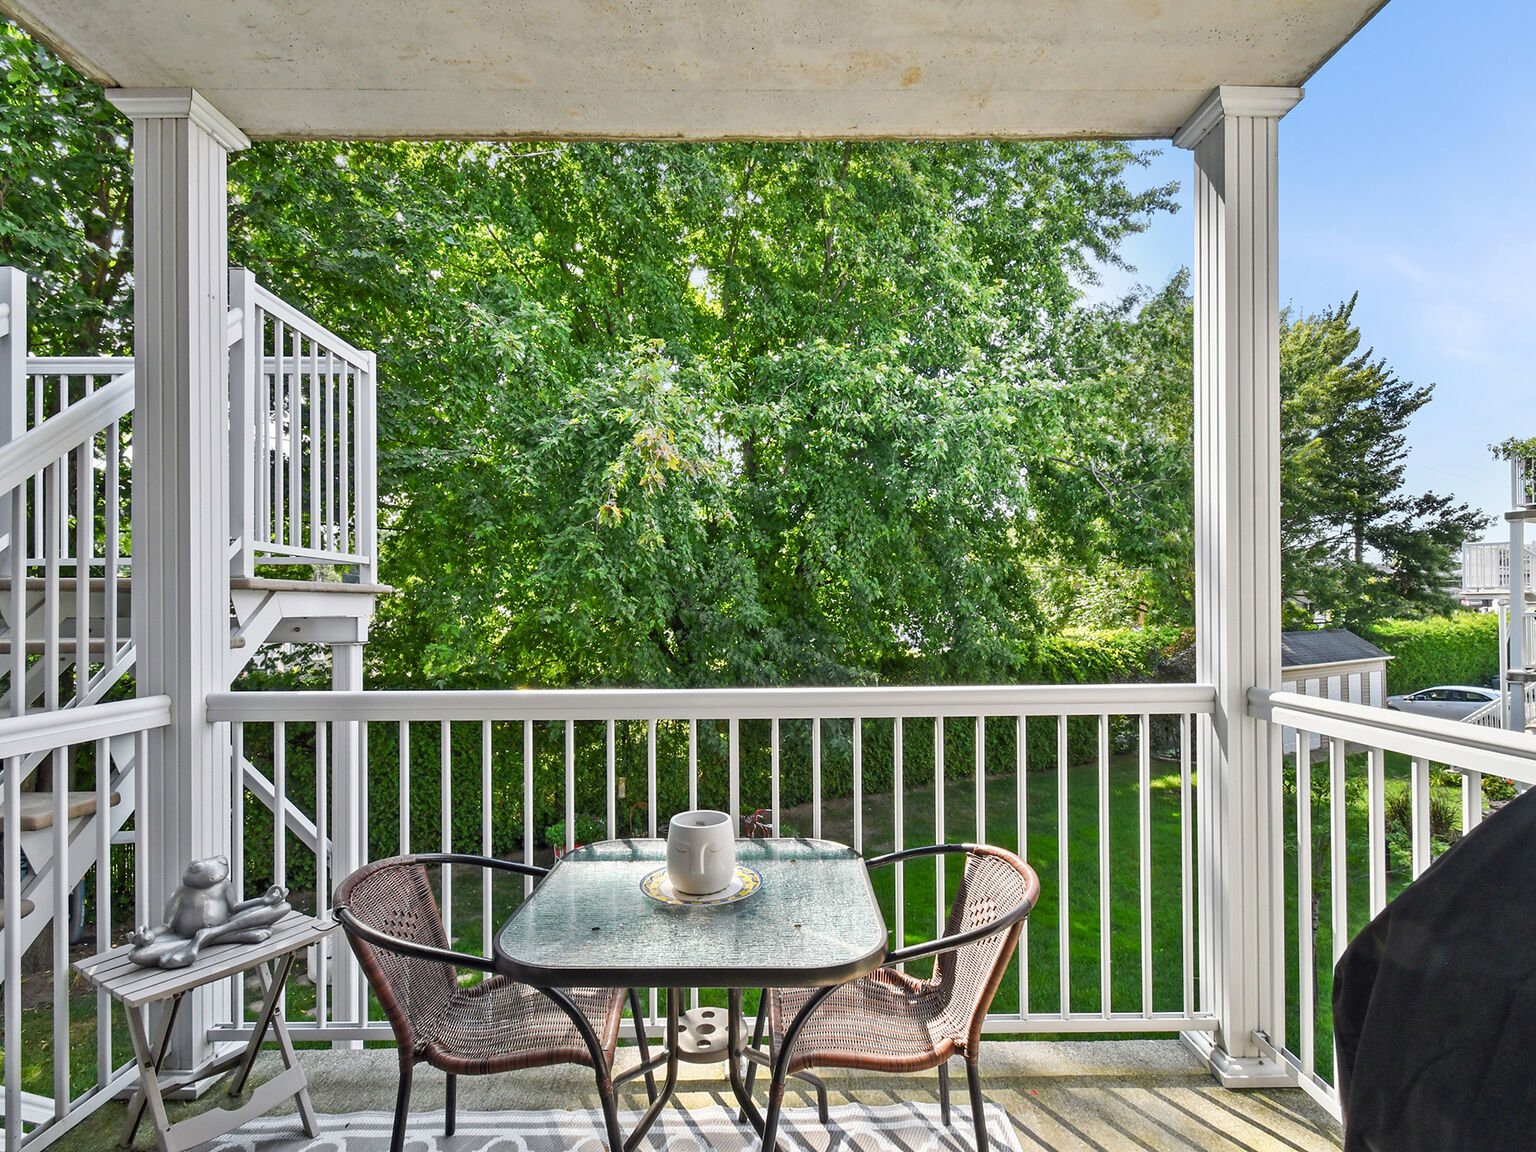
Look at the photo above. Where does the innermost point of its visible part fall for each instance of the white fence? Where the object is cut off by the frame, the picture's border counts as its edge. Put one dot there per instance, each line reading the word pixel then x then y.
pixel 1093 784
pixel 302 421
pixel 1377 795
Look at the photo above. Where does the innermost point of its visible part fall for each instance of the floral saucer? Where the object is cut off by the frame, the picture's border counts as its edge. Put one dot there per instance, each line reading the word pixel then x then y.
pixel 744 882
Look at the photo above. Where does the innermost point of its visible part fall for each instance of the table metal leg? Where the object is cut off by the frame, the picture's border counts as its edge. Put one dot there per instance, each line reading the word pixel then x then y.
pixel 739 1086
pixel 669 1087
pixel 757 1039
pixel 638 1014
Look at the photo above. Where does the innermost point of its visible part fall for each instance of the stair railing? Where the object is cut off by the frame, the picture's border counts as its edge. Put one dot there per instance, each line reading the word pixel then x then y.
pixel 303 479
pixel 303 486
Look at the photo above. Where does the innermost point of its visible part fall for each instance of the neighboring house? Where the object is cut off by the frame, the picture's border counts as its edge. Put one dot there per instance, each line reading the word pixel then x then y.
pixel 1333 664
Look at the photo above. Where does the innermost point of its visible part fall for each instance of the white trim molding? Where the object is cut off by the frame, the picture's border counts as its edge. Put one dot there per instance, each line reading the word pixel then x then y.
pixel 1235 100
pixel 179 104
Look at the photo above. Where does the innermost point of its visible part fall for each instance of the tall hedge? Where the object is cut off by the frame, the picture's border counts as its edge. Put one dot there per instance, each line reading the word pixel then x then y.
pixel 1459 649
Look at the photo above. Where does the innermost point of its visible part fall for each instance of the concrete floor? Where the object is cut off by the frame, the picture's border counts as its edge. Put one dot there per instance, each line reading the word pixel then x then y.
pixel 1063 1097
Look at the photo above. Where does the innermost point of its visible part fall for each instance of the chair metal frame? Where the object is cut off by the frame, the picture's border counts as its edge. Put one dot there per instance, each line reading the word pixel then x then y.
pixel 357 929
pixel 1011 922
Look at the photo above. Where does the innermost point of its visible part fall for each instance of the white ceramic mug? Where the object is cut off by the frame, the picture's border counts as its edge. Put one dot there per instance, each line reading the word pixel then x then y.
pixel 701 852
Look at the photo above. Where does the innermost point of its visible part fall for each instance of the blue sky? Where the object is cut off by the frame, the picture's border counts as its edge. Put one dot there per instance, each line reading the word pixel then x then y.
pixel 1408 173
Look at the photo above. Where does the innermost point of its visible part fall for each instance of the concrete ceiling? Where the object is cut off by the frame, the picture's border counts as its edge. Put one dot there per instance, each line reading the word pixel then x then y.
pixel 670 69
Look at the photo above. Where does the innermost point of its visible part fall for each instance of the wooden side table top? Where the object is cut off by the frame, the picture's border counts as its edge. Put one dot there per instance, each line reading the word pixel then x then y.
pixel 134 986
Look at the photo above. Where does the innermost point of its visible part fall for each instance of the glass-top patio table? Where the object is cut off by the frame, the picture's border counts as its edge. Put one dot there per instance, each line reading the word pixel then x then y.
pixel 813 923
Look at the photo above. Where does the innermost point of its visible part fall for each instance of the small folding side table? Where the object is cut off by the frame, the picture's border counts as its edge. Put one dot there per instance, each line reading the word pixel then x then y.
pixel 137 988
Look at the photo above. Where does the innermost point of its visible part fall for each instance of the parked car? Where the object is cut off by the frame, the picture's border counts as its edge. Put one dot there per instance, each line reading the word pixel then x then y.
pixel 1447 701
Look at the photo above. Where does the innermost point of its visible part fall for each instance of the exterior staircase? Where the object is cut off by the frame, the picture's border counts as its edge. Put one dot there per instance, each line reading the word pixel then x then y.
pixel 302 479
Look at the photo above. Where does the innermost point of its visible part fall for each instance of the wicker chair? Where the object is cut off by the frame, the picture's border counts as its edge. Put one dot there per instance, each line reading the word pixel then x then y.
pixel 891 1022
pixel 393 923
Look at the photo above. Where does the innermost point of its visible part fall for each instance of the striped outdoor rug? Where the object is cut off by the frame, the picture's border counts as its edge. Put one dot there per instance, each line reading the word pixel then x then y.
pixel 854 1128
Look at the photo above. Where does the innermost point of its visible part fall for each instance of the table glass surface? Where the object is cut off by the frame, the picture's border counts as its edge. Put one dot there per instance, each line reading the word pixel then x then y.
pixel 814 921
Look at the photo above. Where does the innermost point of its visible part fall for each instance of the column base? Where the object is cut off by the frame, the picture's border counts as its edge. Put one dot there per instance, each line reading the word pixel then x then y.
pixel 1238 1071
pixel 218 1052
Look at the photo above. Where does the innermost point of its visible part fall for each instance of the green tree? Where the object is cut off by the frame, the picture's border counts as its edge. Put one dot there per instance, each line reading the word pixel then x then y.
pixel 706 413
pixel 1356 546
pixel 65 182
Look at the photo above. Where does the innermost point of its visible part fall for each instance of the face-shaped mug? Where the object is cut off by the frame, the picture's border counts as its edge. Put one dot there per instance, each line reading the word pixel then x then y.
pixel 701 852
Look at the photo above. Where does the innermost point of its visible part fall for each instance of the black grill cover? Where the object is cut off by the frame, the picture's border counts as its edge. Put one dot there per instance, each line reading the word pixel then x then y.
pixel 1434 1003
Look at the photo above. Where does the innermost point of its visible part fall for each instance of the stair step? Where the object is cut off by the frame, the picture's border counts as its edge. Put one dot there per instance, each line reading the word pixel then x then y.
pixel 37 808
pixel 69 642
pixel 262 584
pixel 27 908
pixel 66 583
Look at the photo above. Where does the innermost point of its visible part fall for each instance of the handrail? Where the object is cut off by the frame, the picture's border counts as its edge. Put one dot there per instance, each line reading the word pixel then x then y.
pixel 1492 751
pixel 280 309
pixel 44 731
pixel 1494 709
pixel 58 435
pixel 737 703
pixel 79 365
pixel 36 448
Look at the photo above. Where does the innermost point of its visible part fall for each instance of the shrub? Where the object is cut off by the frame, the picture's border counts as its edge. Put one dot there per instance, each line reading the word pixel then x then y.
pixel 588 830
pixel 1459 649
pixel 1444 821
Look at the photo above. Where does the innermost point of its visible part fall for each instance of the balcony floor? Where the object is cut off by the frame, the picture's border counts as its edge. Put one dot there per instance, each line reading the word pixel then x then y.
pixel 1063 1097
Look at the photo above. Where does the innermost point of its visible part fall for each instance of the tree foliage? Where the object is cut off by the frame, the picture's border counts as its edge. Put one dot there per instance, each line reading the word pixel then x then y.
pixel 1356 544
pixel 65 181
pixel 735 413
pixel 744 412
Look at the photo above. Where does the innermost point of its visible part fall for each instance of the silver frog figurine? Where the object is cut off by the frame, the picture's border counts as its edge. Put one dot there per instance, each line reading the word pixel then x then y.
pixel 204 911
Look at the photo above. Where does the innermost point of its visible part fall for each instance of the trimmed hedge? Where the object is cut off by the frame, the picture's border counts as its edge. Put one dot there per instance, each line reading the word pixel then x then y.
pixel 1459 649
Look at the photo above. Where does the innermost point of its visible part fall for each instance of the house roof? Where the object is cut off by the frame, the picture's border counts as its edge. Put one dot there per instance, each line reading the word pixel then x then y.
pixel 1326 646
pixel 698 68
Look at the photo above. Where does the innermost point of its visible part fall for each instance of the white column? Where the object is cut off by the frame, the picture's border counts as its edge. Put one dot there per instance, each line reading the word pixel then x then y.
pixel 181 494
pixel 349 830
pixel 1237 568
pixel 1519 605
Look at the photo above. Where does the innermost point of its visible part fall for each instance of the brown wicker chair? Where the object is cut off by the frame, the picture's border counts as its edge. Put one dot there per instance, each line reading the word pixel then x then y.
pixel 891 1022
pixel 393 923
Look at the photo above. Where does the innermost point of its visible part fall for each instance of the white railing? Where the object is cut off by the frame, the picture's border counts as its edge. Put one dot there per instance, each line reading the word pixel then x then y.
pixel 1485 568
pixel 303 487
pixel 1493 714
pixel 65 552
pixel 1093 784
pixel 86 749
pixel 1359 825
pixel 1523 482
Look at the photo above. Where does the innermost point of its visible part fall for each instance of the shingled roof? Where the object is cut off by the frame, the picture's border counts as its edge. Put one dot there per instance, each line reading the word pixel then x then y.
pixel 1326 646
